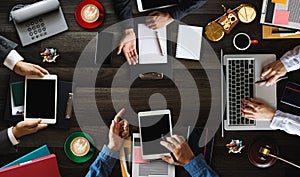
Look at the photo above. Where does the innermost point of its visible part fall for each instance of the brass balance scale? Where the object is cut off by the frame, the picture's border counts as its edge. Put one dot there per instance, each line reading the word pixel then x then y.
pixel 216 29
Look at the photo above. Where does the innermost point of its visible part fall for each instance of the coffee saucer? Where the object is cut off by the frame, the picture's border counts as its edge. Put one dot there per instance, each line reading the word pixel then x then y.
pixel 79 18
pixel 73 157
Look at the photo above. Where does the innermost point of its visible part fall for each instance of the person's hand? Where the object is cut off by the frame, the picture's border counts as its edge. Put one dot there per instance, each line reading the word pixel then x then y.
pixel 156 19
pixel 23 68
pixel 27 127
pixel 119 130
pixel 257 110
pixel 180 149
pixel 272 72
pixel 128 46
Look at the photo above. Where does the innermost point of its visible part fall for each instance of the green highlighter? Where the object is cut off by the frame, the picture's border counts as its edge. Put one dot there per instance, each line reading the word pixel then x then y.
pixel 18 92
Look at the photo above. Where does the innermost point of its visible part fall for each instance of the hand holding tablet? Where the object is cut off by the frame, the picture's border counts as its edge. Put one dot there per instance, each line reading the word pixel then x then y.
pixel 154 127
pixel 41 98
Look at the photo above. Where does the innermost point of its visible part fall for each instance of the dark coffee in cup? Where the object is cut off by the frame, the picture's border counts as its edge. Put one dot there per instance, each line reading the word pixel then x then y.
pixel 242 41
pixel 80 146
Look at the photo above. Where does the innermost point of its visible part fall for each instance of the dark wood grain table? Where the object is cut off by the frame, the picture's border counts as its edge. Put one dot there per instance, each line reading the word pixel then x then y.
pixel 72 43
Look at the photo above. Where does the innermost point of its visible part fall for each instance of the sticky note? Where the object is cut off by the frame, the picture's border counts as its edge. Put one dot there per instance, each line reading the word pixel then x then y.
pixel 281 17
pixel 138 157
pixel 279 1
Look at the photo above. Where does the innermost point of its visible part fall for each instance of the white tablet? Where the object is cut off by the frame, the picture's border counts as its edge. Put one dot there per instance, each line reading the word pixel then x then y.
pixel 41 98
pixel 145 5
pixel 154 126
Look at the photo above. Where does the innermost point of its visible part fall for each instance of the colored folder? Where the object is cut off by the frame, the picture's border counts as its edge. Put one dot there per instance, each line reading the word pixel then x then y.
pixel 44 166
pixel 40 152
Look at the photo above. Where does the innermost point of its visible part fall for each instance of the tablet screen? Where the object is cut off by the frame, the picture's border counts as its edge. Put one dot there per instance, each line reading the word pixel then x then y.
pixel 153 129
pixel 150 4
pixel 40 99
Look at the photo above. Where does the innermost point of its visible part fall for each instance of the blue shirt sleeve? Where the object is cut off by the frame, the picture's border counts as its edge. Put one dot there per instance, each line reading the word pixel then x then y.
pixel 199 168
pixel 104 163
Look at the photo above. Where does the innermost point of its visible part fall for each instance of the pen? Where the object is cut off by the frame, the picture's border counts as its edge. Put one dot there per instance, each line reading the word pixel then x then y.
pixel 68 113
pixel 160 44
pixel 279 79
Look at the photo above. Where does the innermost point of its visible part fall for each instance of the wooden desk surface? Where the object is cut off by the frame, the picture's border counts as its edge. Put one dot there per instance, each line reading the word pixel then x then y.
pixel 70 44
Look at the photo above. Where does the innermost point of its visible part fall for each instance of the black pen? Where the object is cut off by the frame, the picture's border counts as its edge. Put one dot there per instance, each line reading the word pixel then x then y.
pixel 279 79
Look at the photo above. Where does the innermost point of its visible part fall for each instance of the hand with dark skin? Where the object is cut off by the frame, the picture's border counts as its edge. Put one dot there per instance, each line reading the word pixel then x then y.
pixel 256 109
pixel 118 132
pixel 180 149
pixel 27 127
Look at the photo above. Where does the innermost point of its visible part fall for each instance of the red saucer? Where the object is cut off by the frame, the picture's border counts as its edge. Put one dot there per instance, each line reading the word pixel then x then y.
pixel 84 24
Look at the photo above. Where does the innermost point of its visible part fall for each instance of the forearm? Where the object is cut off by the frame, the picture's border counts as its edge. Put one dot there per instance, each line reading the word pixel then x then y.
pixel 184 8
pixel 123 10
pixel 291 59
pixel 286 122
pixel 199 168
pixel 104 163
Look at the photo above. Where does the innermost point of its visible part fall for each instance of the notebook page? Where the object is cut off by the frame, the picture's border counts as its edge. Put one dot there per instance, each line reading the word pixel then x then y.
pixel 149 48
pixel 189 42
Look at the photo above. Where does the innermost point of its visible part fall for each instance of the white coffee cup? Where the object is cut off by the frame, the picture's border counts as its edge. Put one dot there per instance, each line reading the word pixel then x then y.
pixel 242 41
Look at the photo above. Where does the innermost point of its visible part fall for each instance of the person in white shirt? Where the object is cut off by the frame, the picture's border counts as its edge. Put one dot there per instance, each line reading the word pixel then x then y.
pixel 258 110
pixel 14 61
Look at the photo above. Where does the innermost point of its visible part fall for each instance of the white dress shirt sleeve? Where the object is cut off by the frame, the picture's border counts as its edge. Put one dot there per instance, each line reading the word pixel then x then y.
pixel 291 59
pixel 12 59
pixel 11 137
pixel 286 122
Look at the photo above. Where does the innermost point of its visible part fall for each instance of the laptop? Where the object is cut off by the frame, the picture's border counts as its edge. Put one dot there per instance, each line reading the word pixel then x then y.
pixel 38 21
pixel 240 72
pixel 44 166
pixel 281 14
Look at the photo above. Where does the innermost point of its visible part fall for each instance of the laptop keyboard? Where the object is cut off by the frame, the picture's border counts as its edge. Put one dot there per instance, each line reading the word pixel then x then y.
pixel 240 85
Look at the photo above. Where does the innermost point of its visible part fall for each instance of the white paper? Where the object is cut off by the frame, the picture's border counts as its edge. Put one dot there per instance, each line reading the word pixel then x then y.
pixel 156 168
pixel 189 42
pixel 149 48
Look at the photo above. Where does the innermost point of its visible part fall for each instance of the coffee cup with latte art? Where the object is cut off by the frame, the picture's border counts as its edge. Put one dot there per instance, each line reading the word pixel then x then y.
pixel 80 146
pixel 90 13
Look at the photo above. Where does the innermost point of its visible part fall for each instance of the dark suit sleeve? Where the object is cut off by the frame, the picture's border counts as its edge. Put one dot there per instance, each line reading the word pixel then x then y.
pixel 5 144
pixel 5 47
pixel 123 10
pixel 184 8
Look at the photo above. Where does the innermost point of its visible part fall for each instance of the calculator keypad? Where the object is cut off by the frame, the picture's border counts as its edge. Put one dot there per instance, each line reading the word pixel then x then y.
pixel 36 29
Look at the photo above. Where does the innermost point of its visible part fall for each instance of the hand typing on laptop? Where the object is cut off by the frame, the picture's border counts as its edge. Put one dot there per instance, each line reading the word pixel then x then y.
pixel 256 109
pixel 259 110
pixel 272 72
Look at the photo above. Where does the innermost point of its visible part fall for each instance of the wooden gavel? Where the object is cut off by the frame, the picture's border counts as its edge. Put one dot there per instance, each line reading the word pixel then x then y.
pixel 264 151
